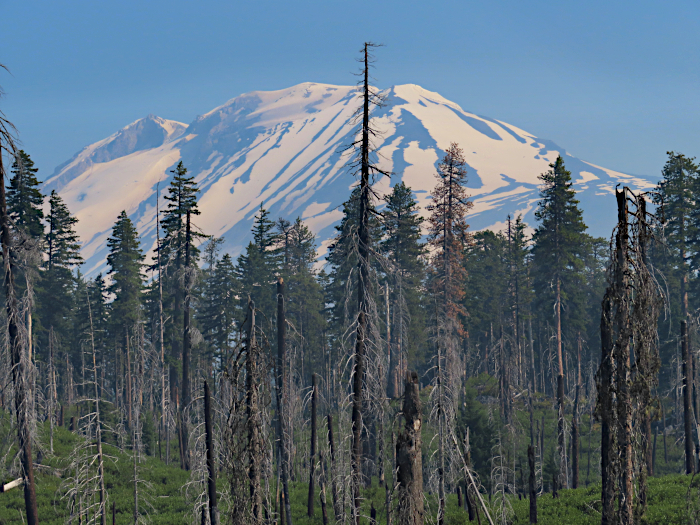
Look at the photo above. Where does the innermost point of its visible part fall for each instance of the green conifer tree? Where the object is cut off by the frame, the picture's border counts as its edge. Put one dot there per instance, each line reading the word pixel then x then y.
pixel 182 202
pixel 125 260
pixel 257 268
pixel 217 302
pixel 404 251
pixel 24 200
pixel 304 300
pixel 560 246
pixel 56 292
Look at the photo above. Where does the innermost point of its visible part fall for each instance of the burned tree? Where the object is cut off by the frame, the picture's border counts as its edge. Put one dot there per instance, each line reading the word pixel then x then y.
pixel 19 359
pixel 628 327
pixel 362 164
pixel 282 403
pixel 409 462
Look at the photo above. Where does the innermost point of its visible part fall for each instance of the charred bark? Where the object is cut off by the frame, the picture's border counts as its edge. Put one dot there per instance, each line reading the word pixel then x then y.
pixel 408 457
pixel 532 483
pixel 211 465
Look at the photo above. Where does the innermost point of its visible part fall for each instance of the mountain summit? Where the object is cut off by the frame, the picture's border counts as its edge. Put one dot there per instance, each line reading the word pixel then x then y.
pixel 284 148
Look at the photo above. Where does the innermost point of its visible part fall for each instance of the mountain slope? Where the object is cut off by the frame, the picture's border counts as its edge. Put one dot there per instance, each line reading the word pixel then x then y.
pixel 284 148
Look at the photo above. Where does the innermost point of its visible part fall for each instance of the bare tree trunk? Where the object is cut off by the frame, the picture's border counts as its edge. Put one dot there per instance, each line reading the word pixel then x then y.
pixel 98 428
pixel 441 441
pixel 19 371
pixel 282 405
pixel 575 441
pixel 322 495
pixel 129 392
pixel 52 383
pixel 334 486
pixel 560 395
pixel 186 344
pixel 136 479
pixel 363 282
pixel 255 446
pixel 687 400
pixel 606 415
pixel 532 484
pixel 663 419
pixel 211 466
pixel 409 462
pixel 165 422
pixel 312 453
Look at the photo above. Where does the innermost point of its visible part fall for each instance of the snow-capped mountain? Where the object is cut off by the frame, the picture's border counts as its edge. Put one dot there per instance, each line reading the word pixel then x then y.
pixel 284 149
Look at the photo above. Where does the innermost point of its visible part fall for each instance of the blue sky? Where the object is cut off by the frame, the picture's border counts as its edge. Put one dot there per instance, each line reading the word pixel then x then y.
pixel 615 83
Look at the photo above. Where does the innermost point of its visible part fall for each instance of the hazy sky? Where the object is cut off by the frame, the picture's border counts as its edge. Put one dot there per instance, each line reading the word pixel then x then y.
pixel 615 83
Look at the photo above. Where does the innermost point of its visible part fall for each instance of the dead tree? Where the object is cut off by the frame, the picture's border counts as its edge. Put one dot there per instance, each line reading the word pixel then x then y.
pixel 186 346
pixel 334 486
pixel 19 361
pixel 409 461
pixel 575 437
pixel 282 405
pixel 165 421
pixel 628 324
pixel 211 465
pixel 532 484
pixel 254 417
pixel 687 400
pixel 362 165
pixel 312 452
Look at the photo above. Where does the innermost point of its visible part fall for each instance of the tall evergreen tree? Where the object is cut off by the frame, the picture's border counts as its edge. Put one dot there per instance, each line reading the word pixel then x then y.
pixel 258 267
pixel 486 265
pixel 217 312
pixel 182 203
pixel 676 196
pixel 55 294
pixel 24 199
pixel 559 249
pixel 304 300
pixel 404 251
pixel 125 260
pixel 448 237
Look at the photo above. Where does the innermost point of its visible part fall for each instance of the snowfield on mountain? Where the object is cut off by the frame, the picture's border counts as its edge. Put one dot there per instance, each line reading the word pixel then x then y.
pixel 285 149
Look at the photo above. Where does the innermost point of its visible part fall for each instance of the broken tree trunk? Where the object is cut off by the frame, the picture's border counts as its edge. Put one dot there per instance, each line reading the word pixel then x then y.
pixel 334 486
pixel 409 463
pixel 211 467
pixel 532 483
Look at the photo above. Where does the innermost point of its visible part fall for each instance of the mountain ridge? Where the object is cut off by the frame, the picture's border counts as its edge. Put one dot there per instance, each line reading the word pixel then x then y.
pixel 283 148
